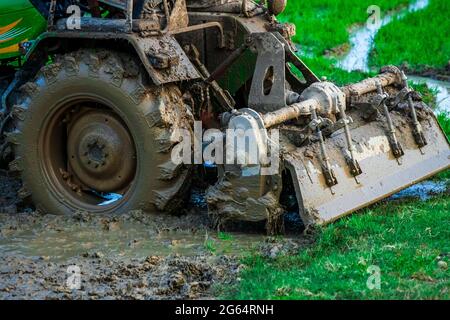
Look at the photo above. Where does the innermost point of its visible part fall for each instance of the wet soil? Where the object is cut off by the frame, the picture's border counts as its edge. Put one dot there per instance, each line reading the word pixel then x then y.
pixel 442 74
pixel 133 256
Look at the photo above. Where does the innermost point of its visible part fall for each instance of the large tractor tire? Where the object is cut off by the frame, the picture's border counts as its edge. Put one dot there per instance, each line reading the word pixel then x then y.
pixel 92 134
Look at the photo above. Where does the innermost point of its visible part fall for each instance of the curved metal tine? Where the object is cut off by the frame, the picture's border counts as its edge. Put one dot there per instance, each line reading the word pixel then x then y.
pixel 417 131
pixel 396 148
pixel 330 178
pixel 355 169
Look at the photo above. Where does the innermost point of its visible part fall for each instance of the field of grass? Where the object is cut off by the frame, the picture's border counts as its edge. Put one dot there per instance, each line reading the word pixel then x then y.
pixel 323 24
pixel 420 39
pixel 409 241
pixel 405 241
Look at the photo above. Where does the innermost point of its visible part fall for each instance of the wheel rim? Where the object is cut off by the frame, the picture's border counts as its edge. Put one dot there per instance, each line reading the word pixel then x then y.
pixel 88 155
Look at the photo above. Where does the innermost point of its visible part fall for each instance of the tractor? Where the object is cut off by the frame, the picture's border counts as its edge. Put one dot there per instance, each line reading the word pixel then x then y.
pixel 101 98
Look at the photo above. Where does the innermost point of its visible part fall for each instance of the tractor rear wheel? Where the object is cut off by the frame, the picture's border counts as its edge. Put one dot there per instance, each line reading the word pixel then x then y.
pixel 91 134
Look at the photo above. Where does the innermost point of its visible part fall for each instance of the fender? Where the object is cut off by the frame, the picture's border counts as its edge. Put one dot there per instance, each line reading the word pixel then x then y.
pixel 162 56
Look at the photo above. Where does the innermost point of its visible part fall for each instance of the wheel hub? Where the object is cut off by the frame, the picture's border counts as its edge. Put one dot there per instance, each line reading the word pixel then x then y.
pixel 101 152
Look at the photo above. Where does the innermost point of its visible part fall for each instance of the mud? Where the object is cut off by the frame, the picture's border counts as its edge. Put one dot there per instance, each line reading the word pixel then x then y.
pixel 171 277
pixel 440 74
pixel 132 256
pixel 442 89
pixel 9 186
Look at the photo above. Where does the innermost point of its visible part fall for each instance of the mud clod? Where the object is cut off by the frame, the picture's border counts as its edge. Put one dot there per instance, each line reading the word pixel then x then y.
pixel 274 247
pixel 104 278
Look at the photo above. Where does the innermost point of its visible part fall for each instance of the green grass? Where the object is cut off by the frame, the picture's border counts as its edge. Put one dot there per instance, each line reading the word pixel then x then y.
pixel 420 39
pixel 325 67
pixel 444 120
pixel 404 240
pixel 323 24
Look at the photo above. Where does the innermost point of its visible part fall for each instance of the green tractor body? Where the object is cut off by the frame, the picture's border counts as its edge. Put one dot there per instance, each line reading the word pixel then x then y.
pixel 19 22
pixel 108 102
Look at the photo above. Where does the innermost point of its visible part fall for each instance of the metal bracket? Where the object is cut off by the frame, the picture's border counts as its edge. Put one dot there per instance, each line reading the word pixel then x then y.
pixel 268 90
pixel 51 14
pixel 330 178
pixel 355 169
pixel 129 23
pixel 163 60
pixel 291 57
pixel 419 137
pixel 224 98
pixel 396 147
pixel 214 24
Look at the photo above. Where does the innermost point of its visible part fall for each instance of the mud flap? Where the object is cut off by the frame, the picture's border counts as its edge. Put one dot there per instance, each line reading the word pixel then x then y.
pixel 382 175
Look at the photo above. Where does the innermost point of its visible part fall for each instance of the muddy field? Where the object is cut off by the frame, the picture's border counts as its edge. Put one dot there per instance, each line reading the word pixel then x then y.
pixel 134 256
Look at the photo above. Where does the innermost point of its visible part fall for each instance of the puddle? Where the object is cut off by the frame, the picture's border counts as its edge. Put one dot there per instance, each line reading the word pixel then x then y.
pixel 362 39
pixel 443 92
pixel 124 240
pixel 424 190
pixel 139 235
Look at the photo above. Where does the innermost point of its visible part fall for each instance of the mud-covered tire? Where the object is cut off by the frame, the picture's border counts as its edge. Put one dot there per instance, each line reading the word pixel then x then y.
pixel 150 113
